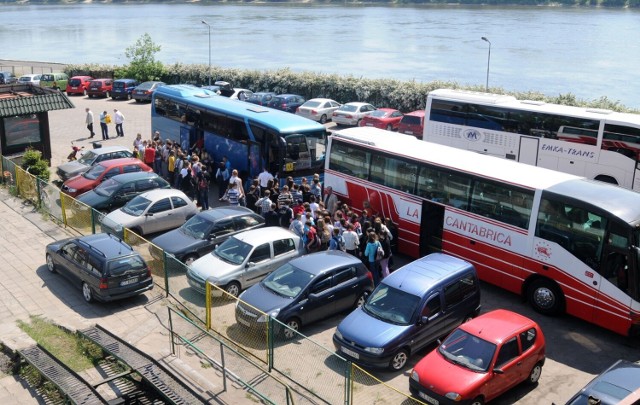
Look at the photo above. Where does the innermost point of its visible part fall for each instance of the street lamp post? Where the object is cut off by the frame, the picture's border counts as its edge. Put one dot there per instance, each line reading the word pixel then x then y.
pixel 207 24
pixel 488 62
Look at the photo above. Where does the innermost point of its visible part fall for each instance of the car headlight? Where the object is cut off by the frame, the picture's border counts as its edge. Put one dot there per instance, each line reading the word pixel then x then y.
pixel 374 350
pixel 415 376
pixel 454 396
pixel 118 228
pixel 338 334
pixel 273 314
pixel 71 190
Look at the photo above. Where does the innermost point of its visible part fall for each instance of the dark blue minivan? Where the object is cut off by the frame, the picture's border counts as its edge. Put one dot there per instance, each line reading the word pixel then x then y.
pixel 411 308
pixel 123 89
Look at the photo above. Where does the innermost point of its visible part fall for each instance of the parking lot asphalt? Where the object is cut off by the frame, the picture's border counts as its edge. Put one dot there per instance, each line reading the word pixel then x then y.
pixel 576 350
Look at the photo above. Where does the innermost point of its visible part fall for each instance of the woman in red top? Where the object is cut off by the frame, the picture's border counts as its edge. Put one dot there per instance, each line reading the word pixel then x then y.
pixel 149 154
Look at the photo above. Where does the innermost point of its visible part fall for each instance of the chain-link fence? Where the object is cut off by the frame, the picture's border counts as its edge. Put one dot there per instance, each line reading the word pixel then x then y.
pixel 367 389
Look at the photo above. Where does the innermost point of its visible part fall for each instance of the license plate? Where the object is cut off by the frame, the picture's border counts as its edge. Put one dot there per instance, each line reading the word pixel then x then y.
pixel 74 88
pixel 349 352
pixel 408 132
pixel 369 124
pixel 243 321
pixel 428 398
pixel 129 281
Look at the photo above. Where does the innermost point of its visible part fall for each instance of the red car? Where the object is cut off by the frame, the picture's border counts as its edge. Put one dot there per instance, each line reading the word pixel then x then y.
pixel 78 85
pixel 481 360
pixel 101 172
pixel 100 88
pixel 412 124
pixel 383 118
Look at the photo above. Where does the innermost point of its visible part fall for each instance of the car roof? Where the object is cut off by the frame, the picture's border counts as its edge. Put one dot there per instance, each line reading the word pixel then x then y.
pixel 263 235
pixel 106 245
pixel 159 193
pixel 125 80
pixel 419 276
pixel 288 95
pixel 322 262
pixel 224 212
pixel 419 113
pixel 126 177
pixel 108 149
pixel 30 75
pixel 622 373
pixel 101 79
pixel 82 77
pixel 497 325
pixel 321 100
pixel 387 109
pixel 119 162
pixel 356 103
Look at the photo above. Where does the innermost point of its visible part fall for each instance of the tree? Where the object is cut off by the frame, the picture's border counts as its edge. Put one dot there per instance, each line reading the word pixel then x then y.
pixel 143 65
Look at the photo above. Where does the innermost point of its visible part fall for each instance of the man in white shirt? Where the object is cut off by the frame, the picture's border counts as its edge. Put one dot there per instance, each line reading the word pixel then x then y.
pixel 351 241
pixel 119 119
pixel 89 122
pixel 263 179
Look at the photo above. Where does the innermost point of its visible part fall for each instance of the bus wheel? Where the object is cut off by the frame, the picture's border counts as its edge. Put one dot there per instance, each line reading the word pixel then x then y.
pixel 606 179
pixel 545 297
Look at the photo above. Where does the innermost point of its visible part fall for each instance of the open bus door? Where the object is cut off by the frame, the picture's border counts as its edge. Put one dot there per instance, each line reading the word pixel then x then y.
pixel 431 226
pixel 297 159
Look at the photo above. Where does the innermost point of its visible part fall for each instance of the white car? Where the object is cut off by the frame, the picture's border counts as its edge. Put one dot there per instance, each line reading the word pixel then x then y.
pixel 351 113
pixel 318 109
pixel 29 79
pixel 244 259
pixel 154 211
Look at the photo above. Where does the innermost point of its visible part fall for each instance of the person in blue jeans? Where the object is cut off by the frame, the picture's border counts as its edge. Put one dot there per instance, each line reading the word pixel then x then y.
pixel 370 253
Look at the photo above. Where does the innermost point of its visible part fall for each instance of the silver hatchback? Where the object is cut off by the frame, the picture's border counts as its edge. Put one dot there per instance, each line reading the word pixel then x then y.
pixel 245 259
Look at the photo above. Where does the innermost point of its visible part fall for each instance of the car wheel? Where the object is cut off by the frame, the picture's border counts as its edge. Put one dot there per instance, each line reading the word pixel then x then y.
pixel 399 360
pixel 477 401
pixel 233 289
pixel 358 122
pixel 545 297
pixel 51 266
pixel 535 374
pixel 323 119
pixel 189 259
pixel 361 299
pixel 389 127
pixel 107 94
pixel 87 294
pixel 138 100
pixel 90 95
pixel 293 327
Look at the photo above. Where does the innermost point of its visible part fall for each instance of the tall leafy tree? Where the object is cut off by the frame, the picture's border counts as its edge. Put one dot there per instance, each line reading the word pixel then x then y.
pixel 143 65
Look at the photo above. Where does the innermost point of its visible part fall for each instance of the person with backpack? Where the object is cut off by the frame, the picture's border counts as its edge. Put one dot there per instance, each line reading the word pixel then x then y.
pixel 312 240
pixel 386 246
pixel 337 241
pixel 203 190
pixel 371 253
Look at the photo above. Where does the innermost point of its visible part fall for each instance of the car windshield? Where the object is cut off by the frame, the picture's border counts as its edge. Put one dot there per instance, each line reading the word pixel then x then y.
pixel 94 172
pixel 233 251
pixel 379 114
pixel 467 350
pixel 350 108
pixel 311 104
pixel 87 158
pixel 118 85
pixel 392 305
pixel 25 79
pixel 145 86
pixel 288 281
pixel 599 389
pixel 75 82
pixel 107 188
pixel 197 227
pixel 411 120
pixel 277 100
pixel 136 206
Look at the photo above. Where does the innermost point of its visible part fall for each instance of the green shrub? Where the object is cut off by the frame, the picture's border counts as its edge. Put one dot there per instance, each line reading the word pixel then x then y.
pixel 34 164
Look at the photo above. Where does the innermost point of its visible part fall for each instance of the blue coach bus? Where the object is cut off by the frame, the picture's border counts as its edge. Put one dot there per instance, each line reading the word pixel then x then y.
pixel 251 136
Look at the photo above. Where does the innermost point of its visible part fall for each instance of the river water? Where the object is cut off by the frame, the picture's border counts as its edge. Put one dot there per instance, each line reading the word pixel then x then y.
pixel 590 53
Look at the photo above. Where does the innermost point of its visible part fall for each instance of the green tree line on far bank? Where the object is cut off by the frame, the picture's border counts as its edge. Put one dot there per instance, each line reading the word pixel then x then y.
pixel 572 3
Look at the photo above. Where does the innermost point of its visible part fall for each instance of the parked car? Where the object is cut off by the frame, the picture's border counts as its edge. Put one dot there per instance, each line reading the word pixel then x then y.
pixel 123 89
pixel 119 190
pixel 202 233
pixel 226 90
pixel 318 109
pixel 245 259
pixel 7 78
pixel 481 360
pixel 29 79
pixel 100 88
pixel 286 102
pixel 154 211
pixel 412 124
pixel 617 383
pixel 383 118
pixel 100 172
pixel 55 80
pixel 145 90
pixel 90 158
pixel 305 290
pixel 351 113
pixel 261 98
pixel 411 308
pixel 78 85
pixel 102 265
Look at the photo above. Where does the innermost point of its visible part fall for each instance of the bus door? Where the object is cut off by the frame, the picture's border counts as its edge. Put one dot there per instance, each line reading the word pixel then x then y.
pixel 431 226
pixel 255 162
pixel 528 152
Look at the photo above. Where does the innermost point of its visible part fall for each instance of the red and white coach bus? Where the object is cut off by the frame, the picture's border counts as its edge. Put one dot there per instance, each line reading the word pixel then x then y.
pixel 565 243
pixel 594 143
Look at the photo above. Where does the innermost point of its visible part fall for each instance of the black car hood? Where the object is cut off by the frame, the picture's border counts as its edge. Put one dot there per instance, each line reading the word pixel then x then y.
pixel 93 199
pixel 177 242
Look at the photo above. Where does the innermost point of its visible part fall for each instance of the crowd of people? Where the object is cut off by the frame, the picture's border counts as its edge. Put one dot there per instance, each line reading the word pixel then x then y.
pixel 308 209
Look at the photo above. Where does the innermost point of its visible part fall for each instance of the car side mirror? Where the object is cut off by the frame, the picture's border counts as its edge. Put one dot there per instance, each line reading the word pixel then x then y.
pixel 149 214
pixel 250 264
pixel 423 320
pixel 313 296
pixel 498 371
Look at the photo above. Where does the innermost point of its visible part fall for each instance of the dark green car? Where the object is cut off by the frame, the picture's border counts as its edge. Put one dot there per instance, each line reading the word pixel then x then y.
pixel 118 190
